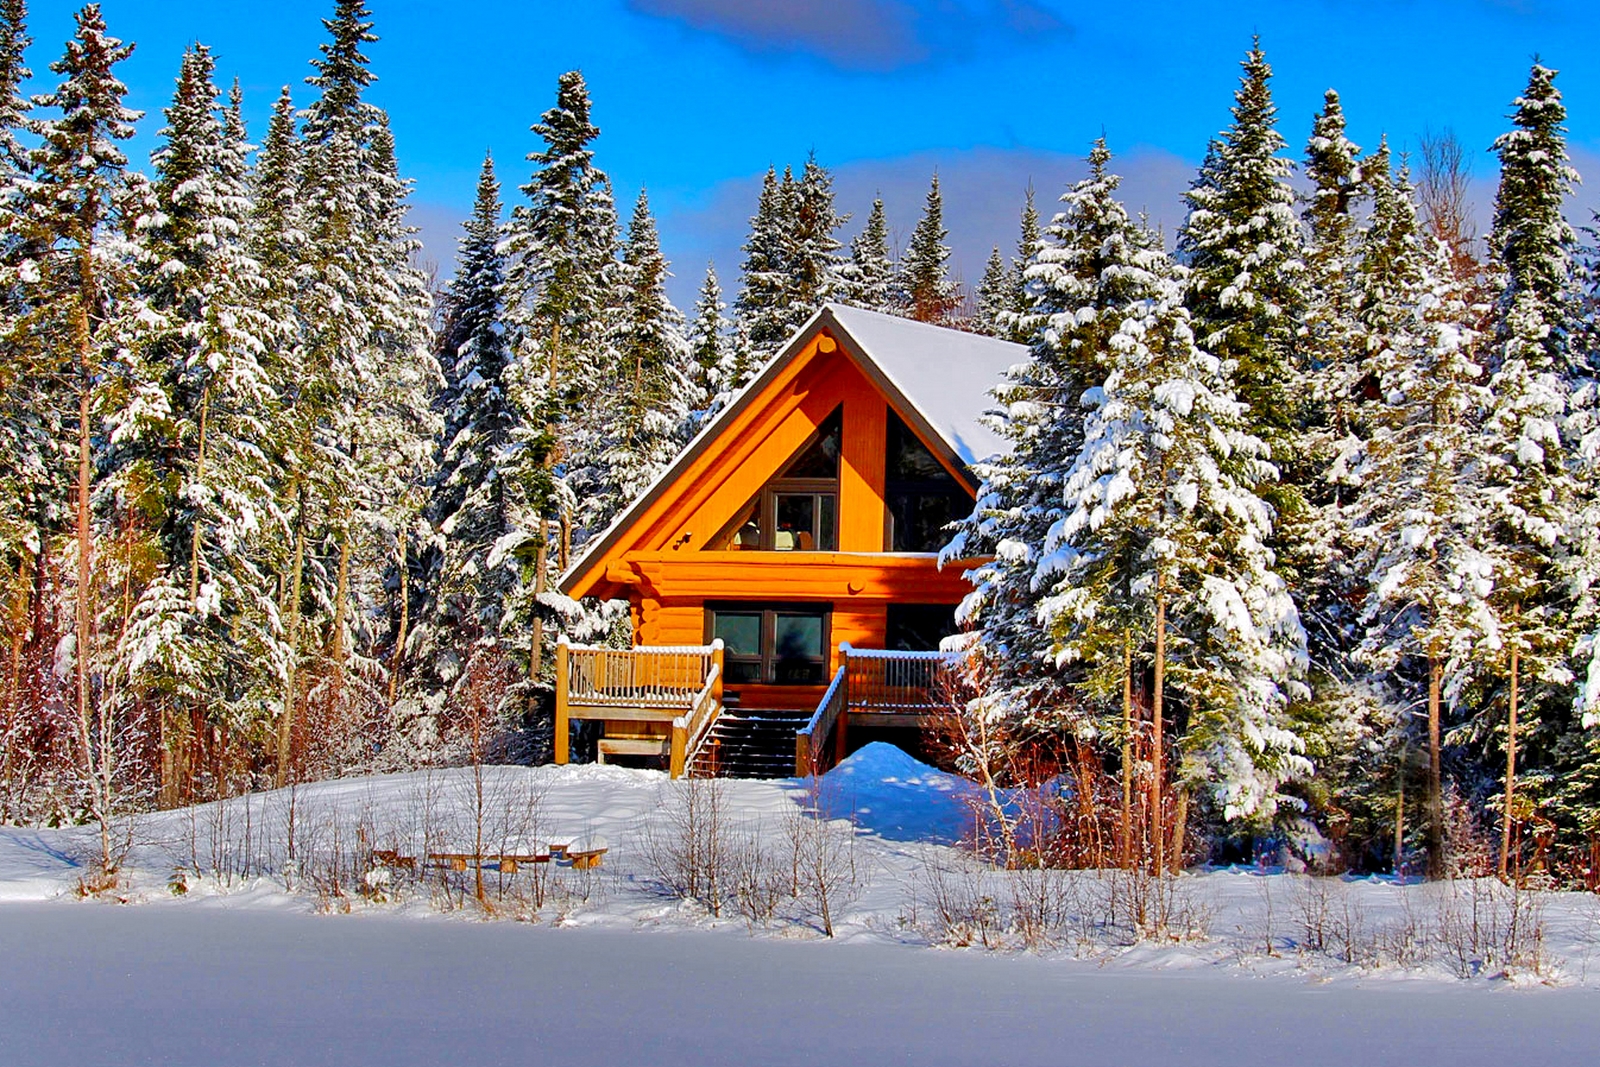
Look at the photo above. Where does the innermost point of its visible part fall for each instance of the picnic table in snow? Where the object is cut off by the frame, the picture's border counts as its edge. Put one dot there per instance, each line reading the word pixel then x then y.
pixel 508 858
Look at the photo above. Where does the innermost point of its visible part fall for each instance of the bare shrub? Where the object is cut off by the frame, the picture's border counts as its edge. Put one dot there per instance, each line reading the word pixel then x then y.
pixel 1146 906
pixel 824 872
pixel 954 902
pixel 688 848
pixel 762 882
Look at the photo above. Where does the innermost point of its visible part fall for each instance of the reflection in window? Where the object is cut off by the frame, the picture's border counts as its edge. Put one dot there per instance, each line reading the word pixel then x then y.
pixel 921 497
pixel 798 511
pixel 780 645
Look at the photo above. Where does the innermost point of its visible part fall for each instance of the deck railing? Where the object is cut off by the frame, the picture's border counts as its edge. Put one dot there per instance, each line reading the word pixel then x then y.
pixel 644 685
pixel 898 682
pixel 810 740
pixel 666 676
pixel 689 732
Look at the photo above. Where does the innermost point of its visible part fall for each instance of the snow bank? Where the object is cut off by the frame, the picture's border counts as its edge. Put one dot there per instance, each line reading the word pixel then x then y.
pixel 895 796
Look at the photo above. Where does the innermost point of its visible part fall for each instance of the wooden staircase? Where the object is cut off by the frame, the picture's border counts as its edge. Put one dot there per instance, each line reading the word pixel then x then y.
pixel 750 743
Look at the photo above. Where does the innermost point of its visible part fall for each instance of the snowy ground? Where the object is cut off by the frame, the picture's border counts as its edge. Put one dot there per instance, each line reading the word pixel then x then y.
pixel 935 960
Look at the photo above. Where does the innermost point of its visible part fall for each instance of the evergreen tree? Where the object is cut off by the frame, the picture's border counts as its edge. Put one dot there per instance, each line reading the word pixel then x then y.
pixel 1020 326
pixel 76 221
pixel 994 297
pixel 815 267
pixel 193 459
pixel 762 303
pixel 870 277
pixel 1331 370
pixel 561 293
pixel 1242 242
pixel 926 292
pixel 474 509
pixel 653 357
pixel 1528 469
pixel 366 381
pixel 1163 542
pixel 711 352
pixel 1091 271
pixel 1419 519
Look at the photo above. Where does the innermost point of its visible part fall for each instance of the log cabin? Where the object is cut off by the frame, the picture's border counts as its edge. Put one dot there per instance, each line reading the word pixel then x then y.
pixel 782 574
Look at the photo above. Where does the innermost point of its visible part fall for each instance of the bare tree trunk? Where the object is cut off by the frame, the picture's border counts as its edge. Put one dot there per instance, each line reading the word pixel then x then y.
pixel 1125 823
pixel 541 563
pixel 96 759
pixel 1511 771
pixel 1435 839
pixel 1156 741
pixel 286 718
pixel 1400 809
pixel 405 619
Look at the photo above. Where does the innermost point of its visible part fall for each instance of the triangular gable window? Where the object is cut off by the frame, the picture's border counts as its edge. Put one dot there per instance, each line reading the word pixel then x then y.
pixel 920 496
pixel 798 511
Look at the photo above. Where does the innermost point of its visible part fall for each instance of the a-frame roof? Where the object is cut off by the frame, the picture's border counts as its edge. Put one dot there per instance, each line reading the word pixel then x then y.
pixel 939 379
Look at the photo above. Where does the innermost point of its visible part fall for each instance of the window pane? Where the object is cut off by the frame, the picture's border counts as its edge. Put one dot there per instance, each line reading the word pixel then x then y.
pixel 799 635
pixel 828 524
pixel 919 520
pixel 740 633
pixel 796 516
pixel 742 671
pixel 821 460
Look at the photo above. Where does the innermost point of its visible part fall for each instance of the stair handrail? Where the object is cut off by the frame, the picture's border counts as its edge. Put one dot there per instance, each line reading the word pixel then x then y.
pixel 810 738
pixel 695 727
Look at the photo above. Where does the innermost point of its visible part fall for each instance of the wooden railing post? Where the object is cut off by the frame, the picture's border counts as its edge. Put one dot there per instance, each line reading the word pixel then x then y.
pixel 717 655
pixel 844 714
pixel 562 740
pixel 680 745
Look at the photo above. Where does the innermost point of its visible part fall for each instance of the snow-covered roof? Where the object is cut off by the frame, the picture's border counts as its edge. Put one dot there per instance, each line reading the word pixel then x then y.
pixel 939 377
pixel 944 374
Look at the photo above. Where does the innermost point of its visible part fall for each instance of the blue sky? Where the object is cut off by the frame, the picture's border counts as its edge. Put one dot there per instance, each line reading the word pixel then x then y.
pixel 696 97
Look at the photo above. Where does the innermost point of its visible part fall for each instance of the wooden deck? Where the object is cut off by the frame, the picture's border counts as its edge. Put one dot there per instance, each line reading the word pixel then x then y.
pixel 666 700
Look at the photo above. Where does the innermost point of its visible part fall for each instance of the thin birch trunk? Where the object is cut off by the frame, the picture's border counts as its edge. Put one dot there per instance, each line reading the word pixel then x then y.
pixel 1435 839
pixel 1511 772
pixel 286 717
pixel 1125 825
pixel 405 618
pixel 1157 755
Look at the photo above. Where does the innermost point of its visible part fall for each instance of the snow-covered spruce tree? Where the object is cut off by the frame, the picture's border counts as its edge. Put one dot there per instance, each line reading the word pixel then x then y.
pixel 653 357
pixel 869 276
pixel 1242 242
pixel 1330 349
pixel 1091 270
pixel 193 463
pixel 367 377
pixel 994 297
pixel 561 290
pixel 25 401
pixel 76 220
pixel 924 289
pixel 1530 473
pixel 711 373
pixel 1028 244
pixel 762 304
pixel 1331 374
pixel 1421 516
pixel 1164 543
pixel 815 267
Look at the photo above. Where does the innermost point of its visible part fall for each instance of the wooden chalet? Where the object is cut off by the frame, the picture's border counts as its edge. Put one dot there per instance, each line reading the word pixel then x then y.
pixel 782 574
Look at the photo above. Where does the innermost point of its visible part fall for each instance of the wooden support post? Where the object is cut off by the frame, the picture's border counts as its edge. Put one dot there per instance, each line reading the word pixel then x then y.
pixel 717 658
pixel 680 743
pixel 563 739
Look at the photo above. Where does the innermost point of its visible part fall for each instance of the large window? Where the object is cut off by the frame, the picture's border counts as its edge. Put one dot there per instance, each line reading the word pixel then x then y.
pixel 798 511
pixel 920 495
pixel 919 627
pixel 771 644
